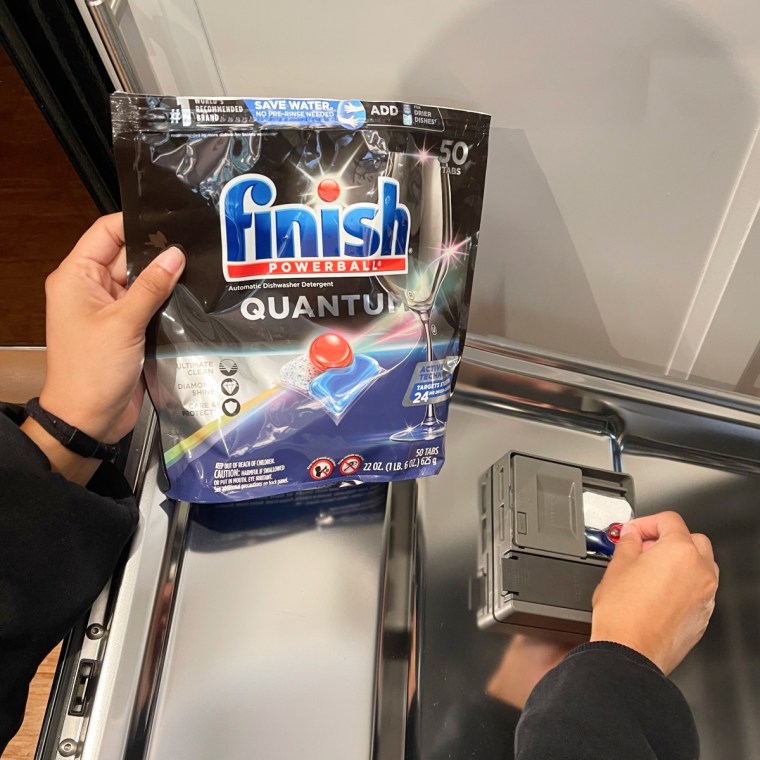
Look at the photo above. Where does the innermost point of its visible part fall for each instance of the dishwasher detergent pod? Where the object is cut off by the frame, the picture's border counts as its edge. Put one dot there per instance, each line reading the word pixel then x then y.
pixel 315 334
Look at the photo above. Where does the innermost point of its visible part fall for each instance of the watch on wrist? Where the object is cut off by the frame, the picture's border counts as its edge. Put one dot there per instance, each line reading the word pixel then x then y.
pixel 70 437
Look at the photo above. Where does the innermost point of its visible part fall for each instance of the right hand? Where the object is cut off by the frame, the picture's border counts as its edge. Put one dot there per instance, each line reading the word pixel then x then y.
pixel 658 592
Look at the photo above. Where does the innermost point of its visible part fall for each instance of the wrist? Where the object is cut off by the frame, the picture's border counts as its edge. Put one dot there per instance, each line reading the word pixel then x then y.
pixel 625 639
pixel 91 421
pixel 73 467
pixel 71 438
pixel 614 646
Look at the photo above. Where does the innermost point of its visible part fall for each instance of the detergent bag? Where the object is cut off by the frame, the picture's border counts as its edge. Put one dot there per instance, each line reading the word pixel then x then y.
pixel 315 334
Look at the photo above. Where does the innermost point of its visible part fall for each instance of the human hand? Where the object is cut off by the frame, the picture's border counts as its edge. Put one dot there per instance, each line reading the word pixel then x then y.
pixel 658 593
pixel 96 331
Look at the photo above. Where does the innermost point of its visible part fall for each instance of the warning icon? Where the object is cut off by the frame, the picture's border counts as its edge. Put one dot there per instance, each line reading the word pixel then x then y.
pixel 350 464
pixel 321 468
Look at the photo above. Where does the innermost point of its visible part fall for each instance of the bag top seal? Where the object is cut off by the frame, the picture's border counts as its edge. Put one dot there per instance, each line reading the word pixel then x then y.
pixel 159 113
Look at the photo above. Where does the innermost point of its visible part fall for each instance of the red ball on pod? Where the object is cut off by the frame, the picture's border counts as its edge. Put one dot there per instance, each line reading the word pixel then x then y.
pixel 614 532
pixel 330 351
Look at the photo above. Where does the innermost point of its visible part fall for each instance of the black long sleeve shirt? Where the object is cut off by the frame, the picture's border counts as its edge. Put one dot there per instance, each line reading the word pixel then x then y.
pixel 60 545
pixel 606 701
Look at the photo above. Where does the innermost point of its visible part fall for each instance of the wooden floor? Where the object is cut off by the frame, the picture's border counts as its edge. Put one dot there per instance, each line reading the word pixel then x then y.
pixel 44 208
pixel 24 744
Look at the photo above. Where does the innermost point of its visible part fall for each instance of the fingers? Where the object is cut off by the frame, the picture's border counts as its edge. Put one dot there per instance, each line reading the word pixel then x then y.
pixel 705 549
pixel 654 527
pixel 118 267
pixel 629 546
pixel 704 546
pixel 658 526
pixel 152 287
pixel 102 242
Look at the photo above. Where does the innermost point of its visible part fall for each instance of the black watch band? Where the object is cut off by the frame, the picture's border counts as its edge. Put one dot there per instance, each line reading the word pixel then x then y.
pixel 70 437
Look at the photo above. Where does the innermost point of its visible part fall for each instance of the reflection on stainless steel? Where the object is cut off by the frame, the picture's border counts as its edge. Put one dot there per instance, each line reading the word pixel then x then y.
pixel 295 632
pixel 718 430
pixel 700 458
pixel 395 638
pixel 161 620
pixel 273 641
pixel 721 678
pixel 452 715
pixel 140 447
pixel 118 52
pixel 520 355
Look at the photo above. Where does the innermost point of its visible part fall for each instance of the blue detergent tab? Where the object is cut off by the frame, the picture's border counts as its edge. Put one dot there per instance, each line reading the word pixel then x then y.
pixel 338 389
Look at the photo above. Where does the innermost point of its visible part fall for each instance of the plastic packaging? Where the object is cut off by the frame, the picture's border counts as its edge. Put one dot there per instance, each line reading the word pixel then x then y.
pixel 315 334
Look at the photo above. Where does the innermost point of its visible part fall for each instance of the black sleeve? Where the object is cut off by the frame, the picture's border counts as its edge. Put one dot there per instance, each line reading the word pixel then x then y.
pixel 478 726
pixel 60 544
pixel 605 700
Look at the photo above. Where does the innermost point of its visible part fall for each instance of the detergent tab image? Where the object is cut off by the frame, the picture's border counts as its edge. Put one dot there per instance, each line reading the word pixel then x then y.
pixel 548 531
pixel 315 334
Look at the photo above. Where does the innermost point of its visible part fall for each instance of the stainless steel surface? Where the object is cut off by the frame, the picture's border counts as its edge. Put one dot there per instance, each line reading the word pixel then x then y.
pixel 721 677
pixel 621 212
pixel 291 632
pixel 158 634
pixel 118 52
pixel 697 457
pixel 274 635
pixel 395 651
pixel 561 365
pixel 141 447
pixel 456 660
pixel 129 623
pixel 704 427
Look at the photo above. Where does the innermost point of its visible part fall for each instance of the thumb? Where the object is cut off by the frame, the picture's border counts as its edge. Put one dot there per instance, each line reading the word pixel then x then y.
pixel 151 288
pixel 629 546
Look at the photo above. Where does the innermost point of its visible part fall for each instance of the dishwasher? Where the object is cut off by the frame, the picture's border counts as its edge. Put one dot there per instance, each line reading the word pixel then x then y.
pixel 343 624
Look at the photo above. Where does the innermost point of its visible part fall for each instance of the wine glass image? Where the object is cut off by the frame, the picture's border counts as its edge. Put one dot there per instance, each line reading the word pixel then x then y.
pixel 428 264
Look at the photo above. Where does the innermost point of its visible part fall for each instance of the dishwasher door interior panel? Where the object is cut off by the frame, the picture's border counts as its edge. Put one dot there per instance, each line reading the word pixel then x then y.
pixel 684 453
pixel 341 624
pixel 274 633
pixel 452 714
pixel 721 677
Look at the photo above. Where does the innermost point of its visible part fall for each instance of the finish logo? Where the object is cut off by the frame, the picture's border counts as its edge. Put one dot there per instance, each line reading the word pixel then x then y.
pixel 262 240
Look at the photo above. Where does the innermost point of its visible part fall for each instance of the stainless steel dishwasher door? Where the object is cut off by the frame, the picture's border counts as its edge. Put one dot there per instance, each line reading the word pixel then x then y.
pixel 698 458
pixel 452 714
pixel 721 677
pixel 272 649
pixel 342 626
pixel 273 643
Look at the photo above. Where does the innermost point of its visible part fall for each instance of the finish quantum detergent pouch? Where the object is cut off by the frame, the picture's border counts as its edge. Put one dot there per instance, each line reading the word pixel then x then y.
pixel 315 333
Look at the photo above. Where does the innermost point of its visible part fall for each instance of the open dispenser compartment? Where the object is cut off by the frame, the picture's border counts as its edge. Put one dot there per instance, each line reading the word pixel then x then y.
pixel 548 529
